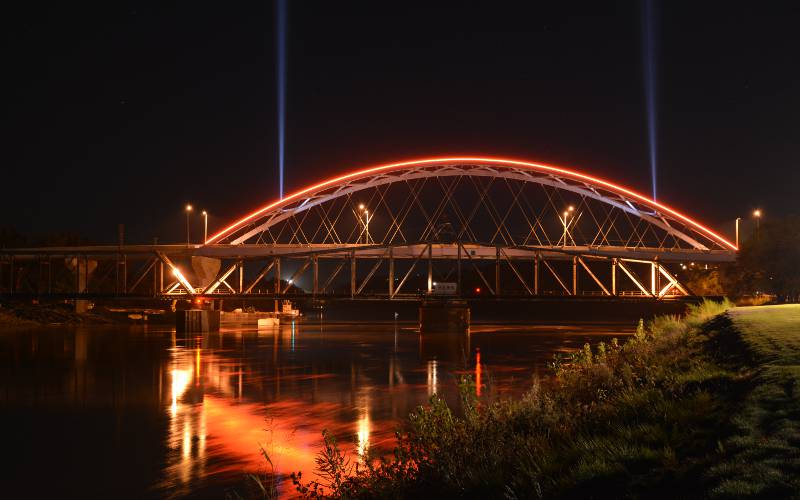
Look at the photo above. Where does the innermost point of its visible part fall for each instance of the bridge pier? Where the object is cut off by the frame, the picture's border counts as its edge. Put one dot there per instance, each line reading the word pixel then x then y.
pixel 197 321
pixel 444 316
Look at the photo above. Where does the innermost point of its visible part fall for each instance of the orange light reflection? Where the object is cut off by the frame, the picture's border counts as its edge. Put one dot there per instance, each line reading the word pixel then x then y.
pixel 478 372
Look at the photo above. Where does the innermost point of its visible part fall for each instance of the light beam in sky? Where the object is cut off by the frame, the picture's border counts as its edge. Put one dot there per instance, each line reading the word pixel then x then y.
pixel 281 28
pixel 649 63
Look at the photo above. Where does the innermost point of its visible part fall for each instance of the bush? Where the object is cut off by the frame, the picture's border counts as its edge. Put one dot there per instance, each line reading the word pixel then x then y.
pixel 614 420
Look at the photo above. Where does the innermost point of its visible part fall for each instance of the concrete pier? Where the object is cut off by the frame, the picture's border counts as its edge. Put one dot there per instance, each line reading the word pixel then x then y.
pixel 444 316
pixel 197 321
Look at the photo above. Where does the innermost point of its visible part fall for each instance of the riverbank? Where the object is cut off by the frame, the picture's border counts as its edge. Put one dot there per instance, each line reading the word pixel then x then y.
pixel 762 457
pixel 28 315
pixel 700 406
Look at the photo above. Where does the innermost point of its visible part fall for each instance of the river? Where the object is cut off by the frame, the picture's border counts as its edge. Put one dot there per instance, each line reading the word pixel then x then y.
pixel 133 412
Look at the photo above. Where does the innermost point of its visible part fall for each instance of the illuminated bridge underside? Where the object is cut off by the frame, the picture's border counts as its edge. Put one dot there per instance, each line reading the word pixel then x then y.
pixel 503 226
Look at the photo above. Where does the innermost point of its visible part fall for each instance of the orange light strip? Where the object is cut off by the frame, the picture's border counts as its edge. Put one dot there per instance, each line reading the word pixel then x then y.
pixel 493 161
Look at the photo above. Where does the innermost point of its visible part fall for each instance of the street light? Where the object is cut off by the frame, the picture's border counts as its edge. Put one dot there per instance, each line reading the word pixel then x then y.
pixel 366 219
pixel 205 226
pixel 188 211
pixel 757 215
pixel 569 210
pixel 737 231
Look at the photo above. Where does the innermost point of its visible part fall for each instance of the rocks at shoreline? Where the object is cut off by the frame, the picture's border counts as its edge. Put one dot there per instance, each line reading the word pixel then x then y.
pixel 31 315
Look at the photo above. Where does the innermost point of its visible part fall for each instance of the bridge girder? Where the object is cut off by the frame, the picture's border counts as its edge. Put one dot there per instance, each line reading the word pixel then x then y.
pixel 522 265
pixel 476 211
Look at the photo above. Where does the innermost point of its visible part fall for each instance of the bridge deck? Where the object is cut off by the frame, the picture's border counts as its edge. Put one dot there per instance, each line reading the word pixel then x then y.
pixel 403 251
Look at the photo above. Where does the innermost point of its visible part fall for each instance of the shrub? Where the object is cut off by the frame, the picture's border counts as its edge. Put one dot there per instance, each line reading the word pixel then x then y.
pixel 616 420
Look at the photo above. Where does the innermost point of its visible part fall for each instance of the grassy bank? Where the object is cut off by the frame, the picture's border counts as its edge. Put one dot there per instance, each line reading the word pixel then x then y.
pixel 762 457
pixel 703 406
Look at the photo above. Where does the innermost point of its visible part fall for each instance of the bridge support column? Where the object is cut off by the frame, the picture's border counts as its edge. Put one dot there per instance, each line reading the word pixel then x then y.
pixel 352 274
pixel 430 268
pixel 155 280
pixel 614 276
pixel 277 283
pixel 653 278
pixel 241 276
pixel 497 270
pixel 658 276
pixel 315 263
pixel 197 321
pixel 536 274
pixel 444 316
pixel 458 271
pixel 121 275
pixel 391 272
pixel 574 276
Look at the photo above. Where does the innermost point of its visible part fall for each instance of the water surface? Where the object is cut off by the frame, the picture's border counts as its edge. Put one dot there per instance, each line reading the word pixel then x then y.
pixel 135 412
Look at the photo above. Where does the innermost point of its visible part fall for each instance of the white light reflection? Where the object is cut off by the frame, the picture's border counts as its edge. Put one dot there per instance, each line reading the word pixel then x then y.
pixel 432 377
pixel 180 381
pixel 363 426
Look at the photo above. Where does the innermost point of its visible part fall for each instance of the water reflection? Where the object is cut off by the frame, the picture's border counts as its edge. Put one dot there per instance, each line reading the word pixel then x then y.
pixel 189 413
pixel 433 377
pixel 478 381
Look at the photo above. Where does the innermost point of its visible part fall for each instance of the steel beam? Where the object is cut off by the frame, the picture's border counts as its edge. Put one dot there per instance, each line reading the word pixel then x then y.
pixel 263 272
pixel 593 276
pixel 556 276
pixel 633 277
pixel 391 271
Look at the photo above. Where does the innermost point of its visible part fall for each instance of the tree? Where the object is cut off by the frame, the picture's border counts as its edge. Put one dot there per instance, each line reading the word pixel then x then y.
pixel 10 238
pixel 769 262
pixel 705 280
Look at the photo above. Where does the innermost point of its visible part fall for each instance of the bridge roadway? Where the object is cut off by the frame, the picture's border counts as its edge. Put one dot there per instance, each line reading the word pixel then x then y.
pixel 401 251
pixel 102 271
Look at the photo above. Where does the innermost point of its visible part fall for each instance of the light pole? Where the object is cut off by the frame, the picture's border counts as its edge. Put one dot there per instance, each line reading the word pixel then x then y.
pixel 188 211
pixel 205 227
pixel 757 215
pixel 365 222
pixel 737 231
pixel 366 216
pixel 569 210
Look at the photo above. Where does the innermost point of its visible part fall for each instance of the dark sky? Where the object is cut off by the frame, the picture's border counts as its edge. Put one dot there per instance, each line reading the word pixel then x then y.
pixel 123 113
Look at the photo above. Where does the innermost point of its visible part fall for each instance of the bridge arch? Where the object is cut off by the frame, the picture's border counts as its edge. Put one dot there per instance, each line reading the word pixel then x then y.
pixel 663 226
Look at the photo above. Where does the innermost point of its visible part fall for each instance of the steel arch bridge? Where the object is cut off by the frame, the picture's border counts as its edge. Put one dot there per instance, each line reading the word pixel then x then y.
pixel 492 226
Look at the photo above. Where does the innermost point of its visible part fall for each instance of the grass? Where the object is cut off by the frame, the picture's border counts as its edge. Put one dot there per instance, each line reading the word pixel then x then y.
pixel 763 455
pixel 703 405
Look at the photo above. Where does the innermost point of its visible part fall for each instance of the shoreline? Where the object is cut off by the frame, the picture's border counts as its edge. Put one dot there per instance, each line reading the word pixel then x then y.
pixel 705 403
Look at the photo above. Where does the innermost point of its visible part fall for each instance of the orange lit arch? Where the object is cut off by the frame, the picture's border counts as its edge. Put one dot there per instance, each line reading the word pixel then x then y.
pixel 642 206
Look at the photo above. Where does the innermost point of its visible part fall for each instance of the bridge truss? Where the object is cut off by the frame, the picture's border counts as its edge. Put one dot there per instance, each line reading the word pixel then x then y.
pixel 494 227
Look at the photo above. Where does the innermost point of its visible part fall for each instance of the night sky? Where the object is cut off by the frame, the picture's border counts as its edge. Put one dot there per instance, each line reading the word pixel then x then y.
pixel 122 113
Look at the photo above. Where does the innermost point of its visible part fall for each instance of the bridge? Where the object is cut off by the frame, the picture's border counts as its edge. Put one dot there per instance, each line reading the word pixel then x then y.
pixel 493 227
